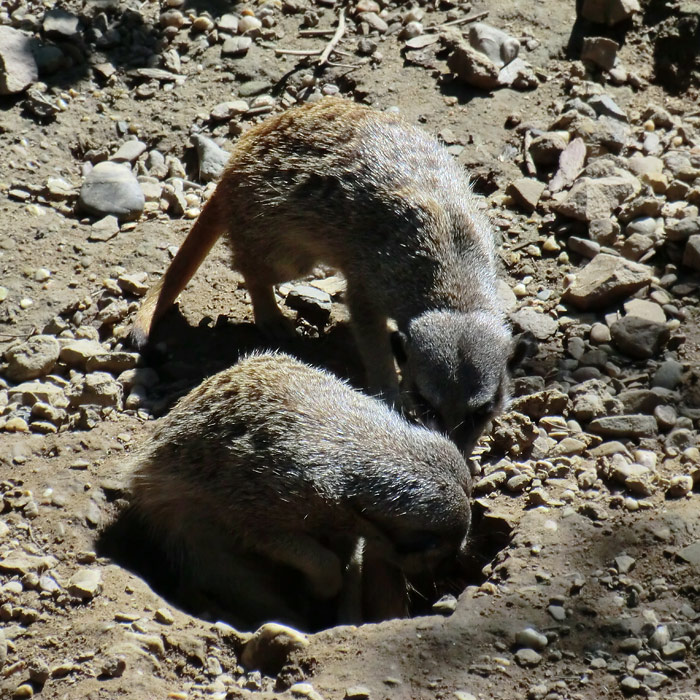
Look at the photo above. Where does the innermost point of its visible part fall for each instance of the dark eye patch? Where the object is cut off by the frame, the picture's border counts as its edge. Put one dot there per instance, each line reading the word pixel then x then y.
pixel 426 412
pixel 416 542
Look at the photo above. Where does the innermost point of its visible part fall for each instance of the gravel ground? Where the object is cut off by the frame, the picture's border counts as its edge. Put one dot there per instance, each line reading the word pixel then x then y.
pixel 582 138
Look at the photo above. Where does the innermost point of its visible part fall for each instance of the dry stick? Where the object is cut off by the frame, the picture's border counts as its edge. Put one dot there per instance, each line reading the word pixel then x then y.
pixel 334 39
pixel 316 32
pixel 294 52
pixel 466 20
pixel 527 156
pixel 454 22
pixel 323 55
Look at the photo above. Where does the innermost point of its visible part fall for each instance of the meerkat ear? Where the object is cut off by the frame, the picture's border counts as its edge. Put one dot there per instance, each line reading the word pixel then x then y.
pixel 399 342
pixel 524 345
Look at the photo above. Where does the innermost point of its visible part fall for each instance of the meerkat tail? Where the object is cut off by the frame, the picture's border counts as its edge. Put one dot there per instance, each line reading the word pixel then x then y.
pixel 207 230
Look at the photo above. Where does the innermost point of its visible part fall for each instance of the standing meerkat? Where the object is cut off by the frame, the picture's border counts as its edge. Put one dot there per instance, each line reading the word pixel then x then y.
pixel 383 202
pixel 274 461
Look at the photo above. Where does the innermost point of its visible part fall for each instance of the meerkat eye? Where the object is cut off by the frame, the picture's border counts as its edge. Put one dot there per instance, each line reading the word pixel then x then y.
pixel 427 413
pixel 416 542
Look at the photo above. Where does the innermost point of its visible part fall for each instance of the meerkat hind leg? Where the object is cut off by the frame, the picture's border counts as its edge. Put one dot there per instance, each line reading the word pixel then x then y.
pixel 374 345
pixel 268 315
pixel 320 566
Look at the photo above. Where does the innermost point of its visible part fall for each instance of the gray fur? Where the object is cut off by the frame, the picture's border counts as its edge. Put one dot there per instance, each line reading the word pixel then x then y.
pixel 273 459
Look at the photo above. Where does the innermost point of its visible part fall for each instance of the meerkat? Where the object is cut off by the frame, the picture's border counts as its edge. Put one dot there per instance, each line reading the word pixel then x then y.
pixel 383 202
pixel 275 461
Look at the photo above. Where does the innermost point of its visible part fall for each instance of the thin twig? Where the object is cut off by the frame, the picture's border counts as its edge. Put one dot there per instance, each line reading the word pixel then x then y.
pixel 334 39
pixel 323 54
pixel 316 32
pixel 463 20
pixel 527 156
pixel 295 52
pixel 466 20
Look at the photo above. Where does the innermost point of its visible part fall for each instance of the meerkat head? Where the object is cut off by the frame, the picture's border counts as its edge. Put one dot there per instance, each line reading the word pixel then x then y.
pixel 455 369
pixel 417 511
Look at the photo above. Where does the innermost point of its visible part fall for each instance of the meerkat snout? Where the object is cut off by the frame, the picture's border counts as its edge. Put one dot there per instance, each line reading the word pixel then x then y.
pixel 456 370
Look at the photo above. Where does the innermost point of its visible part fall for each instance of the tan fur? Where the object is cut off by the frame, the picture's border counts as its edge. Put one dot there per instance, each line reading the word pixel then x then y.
pixel 383 202
pixel 275 464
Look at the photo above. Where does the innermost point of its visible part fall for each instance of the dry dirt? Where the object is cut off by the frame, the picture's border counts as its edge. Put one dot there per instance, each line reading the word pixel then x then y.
pixel 122 641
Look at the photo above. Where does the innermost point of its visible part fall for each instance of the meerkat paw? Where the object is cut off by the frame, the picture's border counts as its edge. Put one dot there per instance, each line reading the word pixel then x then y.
pixel 328 582
pixel 276 328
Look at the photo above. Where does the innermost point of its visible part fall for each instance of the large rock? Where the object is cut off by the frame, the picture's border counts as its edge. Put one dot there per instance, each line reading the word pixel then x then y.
pixel 473 67
pixel 526 191
pixel 271 647
pixel 18 68
pixel 111 188
pixel 605 280
pixel 600 50
pixel 539 324
pixel 638 337
pixel 591 199
pixel 691 254
pixel 501 48
pixel 212 158
pixel 609 11
pixel 34 358
pixel 634 426
pixel 61 25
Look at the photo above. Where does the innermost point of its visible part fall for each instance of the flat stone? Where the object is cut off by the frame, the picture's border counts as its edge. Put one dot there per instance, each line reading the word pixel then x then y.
pixel 526 192
pixel 236 46
pixel 100 389
pixel 500 47
pixel 639 337
pixel 540 325
pixel 648 310
pixel 571 163
pixel 311 303
pixel 624 563
pixel 691 253
pixel 357 692
pixel 228 23
pixel 606 280
pixel 600 51
pixel 604 105
pixel 227 110
pixel 114 362
pixel 26 563
pixel 85 584
pixel 609 12
pixel 527 658
pixel 531 639
pixel 34 358
pixel 61 25
pixel 129 151
pixel 631 426
pixel 253 87
pixel 29 393
pixel 597 198
pixel 111 188
pixel 18 69
pixel 668 375
pixel 270 646
pixel 682 229
pixel 104 229
pixel 77 353
pixel 473 67
pixel 691 554
pixel 212 158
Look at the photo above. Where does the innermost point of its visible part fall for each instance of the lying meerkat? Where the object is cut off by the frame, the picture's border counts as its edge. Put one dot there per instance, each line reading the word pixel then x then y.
pixel 383 202
pixel 274 461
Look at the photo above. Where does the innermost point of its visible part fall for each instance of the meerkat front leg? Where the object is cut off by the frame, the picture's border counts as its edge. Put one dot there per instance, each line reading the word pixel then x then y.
pixel 321 566
pixel 268 316
pixel 373 343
